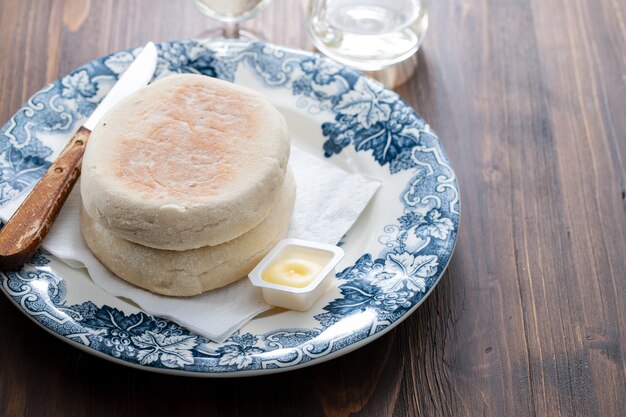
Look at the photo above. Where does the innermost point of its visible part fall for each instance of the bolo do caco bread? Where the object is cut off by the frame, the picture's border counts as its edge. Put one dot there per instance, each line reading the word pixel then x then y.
pixel 191 272
pixel 188 161
pixel 185 185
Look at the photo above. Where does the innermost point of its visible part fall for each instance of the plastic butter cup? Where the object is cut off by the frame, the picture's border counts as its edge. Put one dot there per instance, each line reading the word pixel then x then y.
pixel 296 273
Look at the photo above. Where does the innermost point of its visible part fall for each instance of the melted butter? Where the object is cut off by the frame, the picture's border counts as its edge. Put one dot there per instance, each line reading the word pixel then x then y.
pixel 296 266
pixel 294 272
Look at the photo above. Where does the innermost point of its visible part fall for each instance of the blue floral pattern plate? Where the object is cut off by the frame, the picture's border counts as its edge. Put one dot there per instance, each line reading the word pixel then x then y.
pixel 395 253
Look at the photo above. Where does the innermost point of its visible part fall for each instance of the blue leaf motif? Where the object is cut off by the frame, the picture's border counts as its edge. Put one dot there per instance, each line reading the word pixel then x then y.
pixel 86 309
pixel 391 139
pixel 177 360
pixel 402 264
pixel 109 318
pixel 173 351
pixel 321 71
pixel 233 356
pixel 361 295
pixel 434 225
pixel 323 79
pixel 370 103
pixel 241 356
pixel 356 296
pixel 406 270
pixel 426 265
pixel 147 356
pixel 385 145
pixel 78 84
pixel 119 62
pixel 19 170
pixel 247 339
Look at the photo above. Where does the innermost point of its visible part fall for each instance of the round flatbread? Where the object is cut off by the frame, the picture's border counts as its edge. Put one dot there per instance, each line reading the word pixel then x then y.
pixel 191 272
pixel 186 162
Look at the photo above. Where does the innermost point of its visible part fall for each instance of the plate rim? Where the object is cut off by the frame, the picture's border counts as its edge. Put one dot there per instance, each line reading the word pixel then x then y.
pixel 259 371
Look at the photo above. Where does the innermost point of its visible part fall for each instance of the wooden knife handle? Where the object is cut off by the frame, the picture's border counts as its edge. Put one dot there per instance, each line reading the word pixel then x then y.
pixel 23 233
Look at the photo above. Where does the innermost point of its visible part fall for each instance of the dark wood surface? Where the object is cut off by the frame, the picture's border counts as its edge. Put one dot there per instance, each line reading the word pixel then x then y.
pixel 529 98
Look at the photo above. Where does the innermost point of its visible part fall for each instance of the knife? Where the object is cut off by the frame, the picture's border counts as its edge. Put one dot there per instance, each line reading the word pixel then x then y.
pixel 23 233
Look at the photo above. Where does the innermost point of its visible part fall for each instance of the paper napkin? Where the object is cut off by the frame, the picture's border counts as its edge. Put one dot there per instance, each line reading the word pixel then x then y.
pixel 328 202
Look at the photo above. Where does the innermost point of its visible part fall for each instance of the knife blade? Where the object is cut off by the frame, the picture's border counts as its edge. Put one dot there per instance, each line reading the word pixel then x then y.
pixel 24 232
pixel 138 74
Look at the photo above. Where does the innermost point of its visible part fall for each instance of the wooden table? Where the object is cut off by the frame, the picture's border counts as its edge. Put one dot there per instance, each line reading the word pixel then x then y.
pixel 529 98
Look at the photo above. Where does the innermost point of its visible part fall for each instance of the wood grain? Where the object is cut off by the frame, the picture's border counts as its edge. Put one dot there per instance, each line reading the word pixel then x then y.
pixel 529 98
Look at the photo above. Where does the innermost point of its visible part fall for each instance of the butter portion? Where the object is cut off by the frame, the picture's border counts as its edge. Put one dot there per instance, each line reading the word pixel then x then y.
pixel 296 273
pixel 292 272
pixel 296 266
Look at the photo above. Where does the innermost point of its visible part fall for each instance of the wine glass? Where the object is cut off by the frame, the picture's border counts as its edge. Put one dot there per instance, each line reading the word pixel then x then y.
pixel 231 13
pixel 368 34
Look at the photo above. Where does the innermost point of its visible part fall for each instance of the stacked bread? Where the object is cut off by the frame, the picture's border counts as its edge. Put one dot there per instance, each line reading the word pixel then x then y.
pixel 185 185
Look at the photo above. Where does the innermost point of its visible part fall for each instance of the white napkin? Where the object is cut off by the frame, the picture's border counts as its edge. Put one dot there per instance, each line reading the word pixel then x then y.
pixel 328 202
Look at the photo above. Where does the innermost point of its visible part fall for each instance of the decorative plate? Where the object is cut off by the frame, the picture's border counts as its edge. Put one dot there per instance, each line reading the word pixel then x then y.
pixel 395 253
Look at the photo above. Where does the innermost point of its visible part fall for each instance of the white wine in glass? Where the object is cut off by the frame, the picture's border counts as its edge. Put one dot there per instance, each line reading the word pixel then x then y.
pixel 231 13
